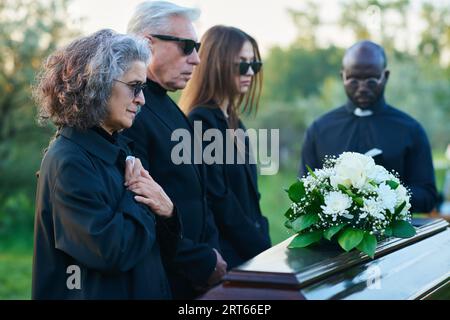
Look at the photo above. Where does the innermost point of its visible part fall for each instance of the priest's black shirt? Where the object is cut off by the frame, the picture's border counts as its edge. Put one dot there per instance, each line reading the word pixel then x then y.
pixel 401 139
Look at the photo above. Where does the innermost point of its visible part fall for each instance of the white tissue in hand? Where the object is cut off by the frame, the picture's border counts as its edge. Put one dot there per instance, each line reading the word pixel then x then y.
pixel 130 158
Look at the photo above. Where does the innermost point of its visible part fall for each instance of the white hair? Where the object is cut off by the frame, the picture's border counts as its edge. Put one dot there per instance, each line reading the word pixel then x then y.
pixel 154 17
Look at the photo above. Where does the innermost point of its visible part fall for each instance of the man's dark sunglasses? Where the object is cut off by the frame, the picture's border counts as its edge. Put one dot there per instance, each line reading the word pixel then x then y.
pixel 243 67
pixel 188 44
pixel 136 87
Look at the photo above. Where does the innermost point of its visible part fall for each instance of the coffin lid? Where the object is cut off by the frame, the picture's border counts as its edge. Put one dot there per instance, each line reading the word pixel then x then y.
pixel 280 267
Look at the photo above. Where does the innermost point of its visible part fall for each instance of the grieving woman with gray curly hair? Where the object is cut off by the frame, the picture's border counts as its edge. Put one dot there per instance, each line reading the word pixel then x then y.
pixel 102 224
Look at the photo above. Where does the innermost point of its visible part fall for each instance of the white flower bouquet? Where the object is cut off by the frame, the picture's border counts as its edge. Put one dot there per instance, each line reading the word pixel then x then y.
pixel 351 200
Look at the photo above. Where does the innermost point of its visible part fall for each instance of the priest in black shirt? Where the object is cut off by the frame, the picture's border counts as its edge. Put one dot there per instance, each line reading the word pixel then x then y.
pixel 368 125
pixel 173 41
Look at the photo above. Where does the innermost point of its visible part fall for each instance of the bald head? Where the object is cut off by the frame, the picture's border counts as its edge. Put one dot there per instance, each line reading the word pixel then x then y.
pixel 364 53
pixel 364 73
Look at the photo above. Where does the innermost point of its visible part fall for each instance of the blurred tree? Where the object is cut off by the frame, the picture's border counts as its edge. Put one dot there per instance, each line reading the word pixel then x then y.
pixel 306 21
pixel 435 37
pixel 298 72
pixel 377 20
pixel 29 32
pixel 421 89
pixel 292 118
pixel 301 82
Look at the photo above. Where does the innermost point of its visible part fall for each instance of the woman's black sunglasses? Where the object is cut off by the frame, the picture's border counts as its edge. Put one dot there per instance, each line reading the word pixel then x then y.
pixel 136 87
pixel 188 44
pixel 243 67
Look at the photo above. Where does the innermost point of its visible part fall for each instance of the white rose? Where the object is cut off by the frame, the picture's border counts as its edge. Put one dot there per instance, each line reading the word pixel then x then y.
pixel 351 170
pixel 379 174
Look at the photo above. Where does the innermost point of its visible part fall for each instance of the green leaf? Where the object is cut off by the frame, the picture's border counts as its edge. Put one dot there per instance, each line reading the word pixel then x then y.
pixel 288 224
pixel 305 239
pixel 296 191
pixel 318 199
pixel 391 183
pixel 346 190
pixel 311 172
pixel 368 244
pixel 359 201
pixel 400 208
pixel 402 229
pixel 373 183
pixel 289 213
pixel 388 232
pixel 330 232
pixel 305 221
pixel 350 238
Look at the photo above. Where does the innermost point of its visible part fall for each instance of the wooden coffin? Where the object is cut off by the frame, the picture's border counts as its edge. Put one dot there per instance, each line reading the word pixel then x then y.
pixel 414 268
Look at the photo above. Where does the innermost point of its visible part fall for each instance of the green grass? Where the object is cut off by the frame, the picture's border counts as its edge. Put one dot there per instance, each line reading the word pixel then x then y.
pixel 440 177
pixel 16 257
pixel 275 202
pixel 15 275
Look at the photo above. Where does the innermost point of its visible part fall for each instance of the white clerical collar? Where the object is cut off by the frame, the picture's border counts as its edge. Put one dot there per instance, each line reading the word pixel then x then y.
pixel 373 152
pixel 362 113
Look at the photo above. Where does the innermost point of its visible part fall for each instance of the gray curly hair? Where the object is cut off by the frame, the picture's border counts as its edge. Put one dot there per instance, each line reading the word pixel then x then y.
pixel 75 84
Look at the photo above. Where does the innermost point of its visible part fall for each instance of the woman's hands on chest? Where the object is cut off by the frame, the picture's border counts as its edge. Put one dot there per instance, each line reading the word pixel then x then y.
pixel 148 192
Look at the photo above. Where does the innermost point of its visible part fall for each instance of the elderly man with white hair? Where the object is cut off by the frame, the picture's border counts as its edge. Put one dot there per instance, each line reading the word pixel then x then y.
pixel 172 38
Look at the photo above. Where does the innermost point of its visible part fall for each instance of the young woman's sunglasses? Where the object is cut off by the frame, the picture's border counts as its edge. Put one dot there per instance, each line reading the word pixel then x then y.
pixel 243 67
pixel 188 44
pixel 136 87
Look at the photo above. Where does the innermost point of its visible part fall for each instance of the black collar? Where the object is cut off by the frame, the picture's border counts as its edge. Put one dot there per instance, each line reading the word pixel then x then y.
pixel 102 132
pixel 155 87
pixel 96 144
pixel 217 112
pixel 376 108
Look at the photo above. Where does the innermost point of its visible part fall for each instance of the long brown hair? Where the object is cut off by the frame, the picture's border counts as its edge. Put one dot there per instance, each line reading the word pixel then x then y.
pixel 213 80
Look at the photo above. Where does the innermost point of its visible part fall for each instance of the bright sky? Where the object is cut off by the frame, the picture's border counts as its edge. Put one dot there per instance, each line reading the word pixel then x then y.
pixel 266 20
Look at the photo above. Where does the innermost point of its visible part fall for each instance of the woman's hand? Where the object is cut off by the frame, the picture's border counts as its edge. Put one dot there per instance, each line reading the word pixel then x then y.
pixel 147 191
